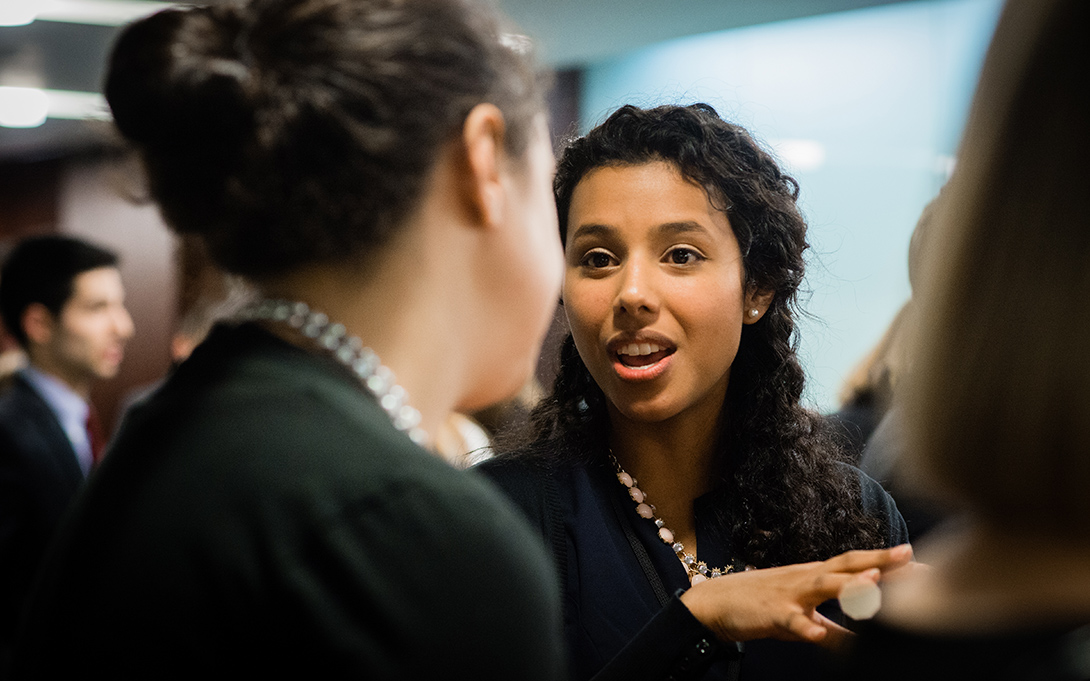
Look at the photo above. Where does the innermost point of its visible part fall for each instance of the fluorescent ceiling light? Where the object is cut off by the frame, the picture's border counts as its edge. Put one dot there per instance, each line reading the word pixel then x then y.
pixel 22 107
pixel 800 155
pixel 77 105
pixel 17 12
pixel 99 12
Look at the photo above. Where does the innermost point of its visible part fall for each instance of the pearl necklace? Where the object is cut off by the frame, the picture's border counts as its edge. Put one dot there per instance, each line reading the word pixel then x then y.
pixel 349 351
pixel 697 570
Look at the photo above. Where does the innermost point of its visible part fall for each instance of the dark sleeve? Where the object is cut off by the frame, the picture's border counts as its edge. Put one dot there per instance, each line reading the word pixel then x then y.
pixel 14 570
pixel 25 527
pixel 879 504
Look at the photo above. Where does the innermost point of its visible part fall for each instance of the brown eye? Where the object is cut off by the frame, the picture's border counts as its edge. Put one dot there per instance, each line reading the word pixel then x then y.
pixel 597 260
pixel 684 256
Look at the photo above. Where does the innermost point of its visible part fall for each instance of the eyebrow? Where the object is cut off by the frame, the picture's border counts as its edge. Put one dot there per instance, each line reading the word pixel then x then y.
pixel 682 227
pixel 667 229
pixel 591 229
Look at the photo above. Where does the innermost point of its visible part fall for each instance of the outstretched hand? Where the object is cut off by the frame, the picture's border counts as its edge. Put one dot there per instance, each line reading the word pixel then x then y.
pixel 782 602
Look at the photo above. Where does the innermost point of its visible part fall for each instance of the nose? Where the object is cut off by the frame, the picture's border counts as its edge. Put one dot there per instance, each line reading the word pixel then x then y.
pixel 636 296
pixel 123 324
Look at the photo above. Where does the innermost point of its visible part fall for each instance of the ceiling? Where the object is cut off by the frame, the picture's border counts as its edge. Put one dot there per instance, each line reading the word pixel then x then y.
pixel 70 56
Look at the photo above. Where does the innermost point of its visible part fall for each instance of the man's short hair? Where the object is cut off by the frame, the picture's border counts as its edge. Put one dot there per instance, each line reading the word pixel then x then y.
pixel 42 270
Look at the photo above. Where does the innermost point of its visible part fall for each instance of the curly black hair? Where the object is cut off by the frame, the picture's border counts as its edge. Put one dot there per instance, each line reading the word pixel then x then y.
pixel 786 495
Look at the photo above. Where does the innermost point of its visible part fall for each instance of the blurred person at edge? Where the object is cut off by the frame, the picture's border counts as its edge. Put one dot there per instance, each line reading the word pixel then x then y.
pixel 63 302
pixel 380 171
pixel 997 405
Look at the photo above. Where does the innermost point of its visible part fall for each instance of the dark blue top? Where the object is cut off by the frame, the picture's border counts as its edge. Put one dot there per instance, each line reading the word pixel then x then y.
pixel 616 626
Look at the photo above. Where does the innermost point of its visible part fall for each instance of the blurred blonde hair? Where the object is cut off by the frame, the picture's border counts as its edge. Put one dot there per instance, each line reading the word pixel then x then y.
pixel 999 394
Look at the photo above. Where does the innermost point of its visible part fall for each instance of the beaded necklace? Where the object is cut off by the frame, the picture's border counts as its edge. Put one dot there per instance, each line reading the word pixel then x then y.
pixel 348 350
pixel 697 570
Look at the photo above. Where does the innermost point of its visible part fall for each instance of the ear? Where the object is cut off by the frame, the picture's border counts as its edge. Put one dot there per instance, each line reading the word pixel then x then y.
pixel 38 323
pixel 756 304
pixel 482 138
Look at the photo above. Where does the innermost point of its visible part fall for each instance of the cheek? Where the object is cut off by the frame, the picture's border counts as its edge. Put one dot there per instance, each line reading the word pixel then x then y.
pixel 714 322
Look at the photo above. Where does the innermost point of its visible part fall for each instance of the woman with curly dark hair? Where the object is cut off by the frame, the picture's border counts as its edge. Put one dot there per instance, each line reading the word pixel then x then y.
pixel 380 171
pixel 673 454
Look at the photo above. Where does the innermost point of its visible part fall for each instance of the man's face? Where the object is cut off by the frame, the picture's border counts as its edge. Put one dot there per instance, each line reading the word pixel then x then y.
pixel 89 335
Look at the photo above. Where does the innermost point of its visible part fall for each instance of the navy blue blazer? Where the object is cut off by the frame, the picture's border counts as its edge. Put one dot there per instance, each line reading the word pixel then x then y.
pixel 39 476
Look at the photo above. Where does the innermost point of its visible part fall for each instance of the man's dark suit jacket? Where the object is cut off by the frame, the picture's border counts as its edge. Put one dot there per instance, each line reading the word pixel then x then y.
pixel 39 475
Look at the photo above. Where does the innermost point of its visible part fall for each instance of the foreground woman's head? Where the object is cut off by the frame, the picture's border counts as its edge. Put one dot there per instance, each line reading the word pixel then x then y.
pixel 287 132
pixel 350 152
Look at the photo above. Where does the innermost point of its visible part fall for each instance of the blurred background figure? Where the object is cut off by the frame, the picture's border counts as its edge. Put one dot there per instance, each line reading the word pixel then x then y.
pixel 209 295
pixel 867 392
pixel 869 418
pixel 62 300
pixel 466 440
pixel 997 405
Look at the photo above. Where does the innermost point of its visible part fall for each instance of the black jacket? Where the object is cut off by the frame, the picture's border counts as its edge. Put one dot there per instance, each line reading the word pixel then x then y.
pixel 39 476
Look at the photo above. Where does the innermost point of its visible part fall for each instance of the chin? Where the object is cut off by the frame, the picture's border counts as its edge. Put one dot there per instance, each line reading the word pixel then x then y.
pixel 106 373
pixel 643 412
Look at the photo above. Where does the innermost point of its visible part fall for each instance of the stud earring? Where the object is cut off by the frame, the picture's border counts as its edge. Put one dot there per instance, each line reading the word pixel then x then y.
pixel 754 312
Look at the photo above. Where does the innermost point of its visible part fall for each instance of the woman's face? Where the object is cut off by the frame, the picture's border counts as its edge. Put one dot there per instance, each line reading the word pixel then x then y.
pixel 654 291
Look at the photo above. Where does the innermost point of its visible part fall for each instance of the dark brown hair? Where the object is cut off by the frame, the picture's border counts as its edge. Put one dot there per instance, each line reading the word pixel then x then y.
pixel 286 132
pixel 43 269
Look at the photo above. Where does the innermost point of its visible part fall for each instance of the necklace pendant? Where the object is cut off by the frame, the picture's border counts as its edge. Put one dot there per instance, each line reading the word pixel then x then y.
pixel 697 571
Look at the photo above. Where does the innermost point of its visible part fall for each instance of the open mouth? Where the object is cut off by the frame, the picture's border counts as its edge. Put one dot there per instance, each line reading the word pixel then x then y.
pixel 638 355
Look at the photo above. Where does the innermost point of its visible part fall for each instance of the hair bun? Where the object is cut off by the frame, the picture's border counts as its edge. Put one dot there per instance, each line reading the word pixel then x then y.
pixel 176 80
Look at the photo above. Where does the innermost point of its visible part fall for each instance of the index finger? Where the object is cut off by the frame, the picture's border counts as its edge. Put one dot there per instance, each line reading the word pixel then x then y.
pixel 883 559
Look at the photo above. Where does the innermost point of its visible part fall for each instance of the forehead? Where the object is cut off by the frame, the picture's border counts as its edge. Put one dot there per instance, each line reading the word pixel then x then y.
pixel 103 283
pixel 647 195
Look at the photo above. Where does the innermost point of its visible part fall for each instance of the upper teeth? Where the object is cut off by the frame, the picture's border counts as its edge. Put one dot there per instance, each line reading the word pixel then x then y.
pixel 639 349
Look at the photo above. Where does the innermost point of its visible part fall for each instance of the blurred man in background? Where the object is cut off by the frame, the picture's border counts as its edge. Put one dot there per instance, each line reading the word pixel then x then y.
pixel 63 302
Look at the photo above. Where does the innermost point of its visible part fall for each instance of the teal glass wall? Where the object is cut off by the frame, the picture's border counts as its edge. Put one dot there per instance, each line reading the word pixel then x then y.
pixel 865 108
